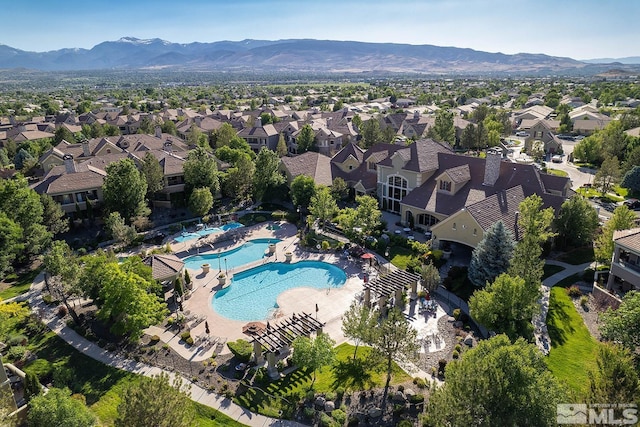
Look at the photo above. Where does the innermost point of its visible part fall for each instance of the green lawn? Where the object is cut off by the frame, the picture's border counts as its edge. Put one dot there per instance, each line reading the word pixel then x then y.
pixel 14 285
pixel 345 374
pixel 400 256
pixel 573 349
pixel 589 192
pixel 99 383
pixel 557 172
pixel 621 191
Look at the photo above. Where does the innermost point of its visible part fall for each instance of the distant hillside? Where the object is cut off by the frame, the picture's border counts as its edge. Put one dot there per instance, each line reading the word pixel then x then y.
pixel 304 55
pixel 625 60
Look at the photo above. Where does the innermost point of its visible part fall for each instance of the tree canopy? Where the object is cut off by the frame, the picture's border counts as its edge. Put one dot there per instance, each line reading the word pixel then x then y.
pixel 313 353
pixel 303 188
pixel 505 305
pixel 155 401
pixel 267 175
pixel 124 190
pixel 622 219
pixel 358 323
pixel 305 139
pixel 492 255
pixel 622 325
pixel 201 170
pixel 498 383
pixel 322 205
pixel 200 201
pixel 58 408
pixel 153 175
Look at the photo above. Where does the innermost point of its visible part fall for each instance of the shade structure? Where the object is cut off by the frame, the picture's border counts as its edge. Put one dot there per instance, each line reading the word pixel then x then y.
pixel 367 255
pixel 253 328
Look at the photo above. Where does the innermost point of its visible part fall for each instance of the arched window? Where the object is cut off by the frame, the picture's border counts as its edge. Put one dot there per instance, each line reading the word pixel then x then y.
pixel 396 189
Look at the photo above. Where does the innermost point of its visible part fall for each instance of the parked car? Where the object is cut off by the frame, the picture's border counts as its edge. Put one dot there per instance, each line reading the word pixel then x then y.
pixel 578 138
pixel 521 133
pixel 556 159
pixel 566 137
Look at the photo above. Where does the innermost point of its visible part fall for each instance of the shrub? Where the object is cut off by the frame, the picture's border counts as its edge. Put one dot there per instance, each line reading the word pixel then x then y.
pixel 330 395
pixel 62 311
pixel 185 335
pixel 420 382
pixel 584 300
pixel 401 388
pixel 189 341
pixel 326 420
pixel 47 298
pixel 339 393
pixel 154 339
pixel 241 349
pixel 16 352
pixel 404 423
pixel 17 339
pixel 325 245
pixel 458 348
pixel 455 354
pixel 456 314
pixel 339 415
pixel 40 367
pixel 442 364
pixel 574 291
pixel 309 412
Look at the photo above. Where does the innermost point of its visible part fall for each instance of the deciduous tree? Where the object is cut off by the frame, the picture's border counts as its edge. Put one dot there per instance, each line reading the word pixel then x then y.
pixel 303 188
pixel 58 408
pixel 498 383
pixel 443 129
pixel 614 380
pixel 430 277
pixel 267 176
pixel 492 256
pixel 622 325
pixel 200 201
pixel 11 243
pixel 506 305
pixel 153 175
pixel 124 190
pixel 622 219
pixel 53 217
pixel 155 402
pixel 393 339
pixel 305 139
pixel 313 353
pixel 576 223
pixel 631 180
pixel 200 170
pixel 607 175
pixel 358 323
pixel 323 206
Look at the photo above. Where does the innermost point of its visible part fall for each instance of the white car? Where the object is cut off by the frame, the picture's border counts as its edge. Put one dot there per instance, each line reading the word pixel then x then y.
pixel 521 133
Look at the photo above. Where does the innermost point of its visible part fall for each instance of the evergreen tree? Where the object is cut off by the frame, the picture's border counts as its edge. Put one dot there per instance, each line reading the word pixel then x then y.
pixel 32 386
pixel 492 255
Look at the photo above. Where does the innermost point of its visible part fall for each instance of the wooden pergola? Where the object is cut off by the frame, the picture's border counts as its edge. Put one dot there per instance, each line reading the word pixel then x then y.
pixel 275 339
pixel 391 284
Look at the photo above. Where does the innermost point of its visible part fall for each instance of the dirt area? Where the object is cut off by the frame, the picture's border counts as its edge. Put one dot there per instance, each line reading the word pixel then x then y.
pixel 590 314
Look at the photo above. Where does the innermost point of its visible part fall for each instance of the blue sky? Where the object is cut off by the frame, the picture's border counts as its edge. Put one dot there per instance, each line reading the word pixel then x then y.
pixel 581 29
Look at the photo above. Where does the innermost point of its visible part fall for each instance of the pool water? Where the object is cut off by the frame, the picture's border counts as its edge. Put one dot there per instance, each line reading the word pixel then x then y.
pixel 253 293
pixel 250 251
pixel 206 231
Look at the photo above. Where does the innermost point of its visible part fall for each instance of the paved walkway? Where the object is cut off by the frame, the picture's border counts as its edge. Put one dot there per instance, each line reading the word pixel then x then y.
pixel 198 394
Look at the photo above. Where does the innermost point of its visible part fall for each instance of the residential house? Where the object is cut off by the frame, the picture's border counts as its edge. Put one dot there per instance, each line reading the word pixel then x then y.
pixel 625 264
pixel 541 131
pixel 260 136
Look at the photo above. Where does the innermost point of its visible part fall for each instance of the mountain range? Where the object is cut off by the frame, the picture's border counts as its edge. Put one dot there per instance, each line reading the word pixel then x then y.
pixel 293 55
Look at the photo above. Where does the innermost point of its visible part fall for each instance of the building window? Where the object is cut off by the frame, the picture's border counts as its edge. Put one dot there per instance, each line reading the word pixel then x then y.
pixel 475 231
pixel 445 185
pixel 454 226
pixel 396 190
pixel 80 197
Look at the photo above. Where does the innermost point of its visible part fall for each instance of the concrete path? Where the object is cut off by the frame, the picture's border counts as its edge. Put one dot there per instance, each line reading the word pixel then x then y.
pixel 198 394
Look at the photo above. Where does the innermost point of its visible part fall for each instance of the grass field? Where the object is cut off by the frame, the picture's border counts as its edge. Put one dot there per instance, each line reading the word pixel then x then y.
pixel 557 172
pixel 100 384
pixel 550 270
pixel 573 349
pixel 346 374
pixel 14 285
pixel 578 256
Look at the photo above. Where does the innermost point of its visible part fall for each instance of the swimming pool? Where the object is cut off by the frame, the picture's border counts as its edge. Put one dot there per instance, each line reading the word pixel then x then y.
pixel 253 293
pixel 250 251
pixel 206 231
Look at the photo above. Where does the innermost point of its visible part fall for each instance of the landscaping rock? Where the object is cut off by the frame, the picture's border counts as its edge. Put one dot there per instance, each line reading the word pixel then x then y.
pixel 374 412
pixel 329 406
pixel 468 340
pixel 320 400
pixel 451 319
pixel 458 324
pixel 398 397
pixel 409 392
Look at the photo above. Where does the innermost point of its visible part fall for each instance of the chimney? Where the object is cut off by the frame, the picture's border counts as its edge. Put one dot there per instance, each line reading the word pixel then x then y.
pixel 198 120
pixel 12 120
pixel 258 122
pixel 515 226
pixel 168 146
pixel 416 114
pixel 158 132
pixel 69 163
pixel 86 152
pixel 492 166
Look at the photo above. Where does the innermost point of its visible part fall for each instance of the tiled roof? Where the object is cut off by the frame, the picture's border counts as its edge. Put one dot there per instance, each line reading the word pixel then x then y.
pixel 459 174
pixel 164 266
pixel 500 206
pixel 349 149
pixel 312 164
pixel 628 238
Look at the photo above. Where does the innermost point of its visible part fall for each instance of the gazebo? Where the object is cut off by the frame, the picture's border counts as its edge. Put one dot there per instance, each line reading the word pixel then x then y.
pixel 392 284
pixel 277 339
pixel 164 267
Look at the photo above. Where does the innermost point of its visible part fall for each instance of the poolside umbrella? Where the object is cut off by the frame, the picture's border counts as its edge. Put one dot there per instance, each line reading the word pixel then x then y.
pixel 253 328
pixel 206 327
pixel 368 255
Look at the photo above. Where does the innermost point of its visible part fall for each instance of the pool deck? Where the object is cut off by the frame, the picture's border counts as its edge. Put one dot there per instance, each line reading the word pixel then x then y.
pixel 331 303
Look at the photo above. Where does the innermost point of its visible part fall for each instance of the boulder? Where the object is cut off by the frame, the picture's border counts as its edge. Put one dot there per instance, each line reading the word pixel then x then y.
pixel 451 319
pixel 374 412
pixel 329 406
pixel 409 392
pixel 320 400
pixel 468 340
pixel 398 397
pixel 458 324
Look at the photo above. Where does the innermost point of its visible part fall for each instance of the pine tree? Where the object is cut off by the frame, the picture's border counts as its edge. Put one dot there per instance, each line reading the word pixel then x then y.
pixel 32 386
pixel 492 255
